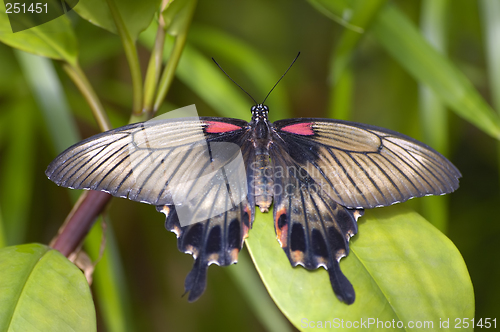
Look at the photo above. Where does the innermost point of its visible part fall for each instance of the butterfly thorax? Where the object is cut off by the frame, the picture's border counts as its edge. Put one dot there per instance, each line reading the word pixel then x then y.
pixel 262 168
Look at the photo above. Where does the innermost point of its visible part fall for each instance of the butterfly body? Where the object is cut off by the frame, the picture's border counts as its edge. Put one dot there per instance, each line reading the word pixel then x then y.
pixel 318 174
pixel 261 138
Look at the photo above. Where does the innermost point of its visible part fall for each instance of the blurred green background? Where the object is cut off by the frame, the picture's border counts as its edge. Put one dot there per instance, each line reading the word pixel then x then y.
pixel 255 41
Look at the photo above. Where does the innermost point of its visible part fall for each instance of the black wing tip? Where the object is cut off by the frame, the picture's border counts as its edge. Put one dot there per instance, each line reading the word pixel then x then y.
pixel 342 287
pixel 196 281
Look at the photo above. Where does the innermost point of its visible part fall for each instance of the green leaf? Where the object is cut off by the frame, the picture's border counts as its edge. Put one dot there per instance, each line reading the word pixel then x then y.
pixel 178 15
pixel 54 39
pixel 46 87
pixel 407 46
pixel 401 267
pixel 403 41
pixel 43 291
pixel 136 15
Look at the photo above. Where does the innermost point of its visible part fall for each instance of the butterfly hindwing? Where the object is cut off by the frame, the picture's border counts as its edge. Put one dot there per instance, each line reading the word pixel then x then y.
pixel 312 229
pixel 217 240
pixel 364 166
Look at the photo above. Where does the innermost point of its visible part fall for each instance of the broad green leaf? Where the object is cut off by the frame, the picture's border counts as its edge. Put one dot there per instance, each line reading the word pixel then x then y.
pixel 54 39
pixel 97 13
pixel 402 268
pixel 137 15
pixel 404 43
pixel 43 291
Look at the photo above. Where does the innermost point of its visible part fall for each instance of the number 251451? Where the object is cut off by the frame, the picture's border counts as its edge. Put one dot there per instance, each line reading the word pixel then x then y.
pixel 16 8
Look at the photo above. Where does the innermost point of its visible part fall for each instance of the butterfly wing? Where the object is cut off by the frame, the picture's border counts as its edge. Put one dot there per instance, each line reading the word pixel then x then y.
pixel 327 171
pixel 363 166
pixel 216 240
pixel 157 162
pixel 147 162
pixel 312 229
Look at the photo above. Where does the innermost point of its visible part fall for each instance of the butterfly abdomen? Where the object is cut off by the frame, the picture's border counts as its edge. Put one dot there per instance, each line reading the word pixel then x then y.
pixel 262 170
pixel 263 181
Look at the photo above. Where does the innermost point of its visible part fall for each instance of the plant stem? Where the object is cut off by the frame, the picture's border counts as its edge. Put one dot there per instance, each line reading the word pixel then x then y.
pixel 132 57
pixel 81 81
pixel 79 221
pixel 169 72
pixel 153 71
pixel 90 204
pixel 154 65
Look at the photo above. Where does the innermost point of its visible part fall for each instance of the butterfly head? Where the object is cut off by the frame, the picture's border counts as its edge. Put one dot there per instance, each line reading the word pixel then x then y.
pixel 259 111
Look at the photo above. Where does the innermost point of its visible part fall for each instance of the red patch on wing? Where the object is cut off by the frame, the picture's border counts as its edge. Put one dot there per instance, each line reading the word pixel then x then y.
pixel 281 232
pixel 215 127
pixel 300 129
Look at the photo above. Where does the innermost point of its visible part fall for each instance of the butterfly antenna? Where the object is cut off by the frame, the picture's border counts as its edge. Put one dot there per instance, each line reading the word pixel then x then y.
pixel 255 101
pixel 281 77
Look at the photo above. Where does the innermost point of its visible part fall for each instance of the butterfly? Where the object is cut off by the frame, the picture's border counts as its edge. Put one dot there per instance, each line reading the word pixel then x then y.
pixel 318 174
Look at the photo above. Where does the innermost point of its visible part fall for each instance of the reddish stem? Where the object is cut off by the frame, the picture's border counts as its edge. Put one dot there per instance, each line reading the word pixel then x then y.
pixel 80 221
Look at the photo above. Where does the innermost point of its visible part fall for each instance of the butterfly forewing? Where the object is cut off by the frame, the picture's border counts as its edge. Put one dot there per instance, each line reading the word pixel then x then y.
pixel 146 162
pixel 363 166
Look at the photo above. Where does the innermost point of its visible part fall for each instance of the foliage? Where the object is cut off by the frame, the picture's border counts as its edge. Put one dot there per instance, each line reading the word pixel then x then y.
pixel 362 60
